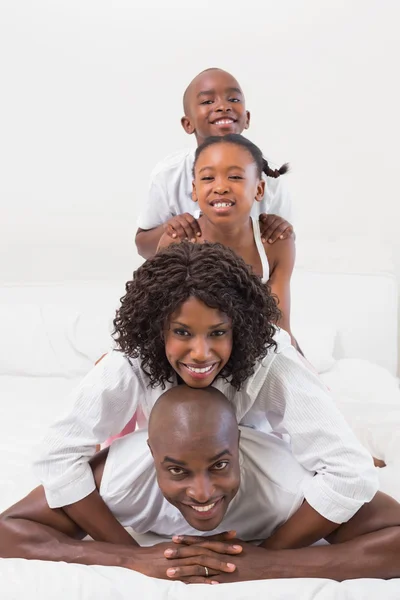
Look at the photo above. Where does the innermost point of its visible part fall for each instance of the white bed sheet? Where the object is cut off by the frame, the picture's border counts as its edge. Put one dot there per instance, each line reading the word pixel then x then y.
pixel 28 405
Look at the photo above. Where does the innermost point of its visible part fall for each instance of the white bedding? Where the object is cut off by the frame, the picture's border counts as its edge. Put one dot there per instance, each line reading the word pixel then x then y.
pixel 29 404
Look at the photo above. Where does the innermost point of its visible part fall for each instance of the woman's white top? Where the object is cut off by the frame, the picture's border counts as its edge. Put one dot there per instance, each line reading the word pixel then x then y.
pixel 272 486
pixel 282 395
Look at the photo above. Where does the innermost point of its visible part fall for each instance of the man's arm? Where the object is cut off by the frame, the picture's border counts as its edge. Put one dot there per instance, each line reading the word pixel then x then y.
pixel 368 545
pixel 32 530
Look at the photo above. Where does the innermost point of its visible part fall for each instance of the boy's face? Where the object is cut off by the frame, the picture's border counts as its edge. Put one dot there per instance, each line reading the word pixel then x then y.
pixel 214 105
pixel 198 472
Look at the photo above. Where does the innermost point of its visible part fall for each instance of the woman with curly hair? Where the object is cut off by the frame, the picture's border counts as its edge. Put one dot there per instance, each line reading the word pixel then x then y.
pixel 197 314
pixel 227 182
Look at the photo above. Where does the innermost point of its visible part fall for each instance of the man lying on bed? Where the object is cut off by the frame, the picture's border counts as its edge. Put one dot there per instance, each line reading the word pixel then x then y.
pixel 198 473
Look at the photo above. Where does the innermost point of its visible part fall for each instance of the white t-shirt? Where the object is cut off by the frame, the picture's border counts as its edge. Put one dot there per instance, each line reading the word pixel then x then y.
pixel 282 395
pixel 272 485
pixel 170 193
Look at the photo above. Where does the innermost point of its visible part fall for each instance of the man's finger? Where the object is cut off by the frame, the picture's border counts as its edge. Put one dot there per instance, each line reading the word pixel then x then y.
pixel 183 551
pixel 200 580
pixel 190 571
pixel 195 539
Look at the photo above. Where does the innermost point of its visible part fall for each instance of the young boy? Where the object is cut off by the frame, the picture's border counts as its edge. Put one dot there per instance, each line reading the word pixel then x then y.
pixel 214 104
pixel 193 476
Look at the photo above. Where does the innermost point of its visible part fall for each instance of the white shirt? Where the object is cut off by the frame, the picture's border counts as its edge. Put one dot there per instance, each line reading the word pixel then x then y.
pixel 170 193
pixel 282 394
pixel 272 485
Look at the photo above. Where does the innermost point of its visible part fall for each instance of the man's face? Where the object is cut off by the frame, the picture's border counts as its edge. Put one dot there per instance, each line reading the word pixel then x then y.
pixel 199 472
pixel 215 105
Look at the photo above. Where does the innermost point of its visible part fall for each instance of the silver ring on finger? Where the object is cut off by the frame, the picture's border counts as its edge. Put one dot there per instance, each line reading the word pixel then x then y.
pixel 206 570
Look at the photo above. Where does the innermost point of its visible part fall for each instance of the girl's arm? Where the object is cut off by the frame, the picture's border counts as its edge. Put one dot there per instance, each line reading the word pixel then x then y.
pixel 281 258
pixel 296 402
pixel 103 403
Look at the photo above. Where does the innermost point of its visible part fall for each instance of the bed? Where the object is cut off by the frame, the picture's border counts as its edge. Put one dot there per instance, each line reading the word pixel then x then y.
pixel 50 335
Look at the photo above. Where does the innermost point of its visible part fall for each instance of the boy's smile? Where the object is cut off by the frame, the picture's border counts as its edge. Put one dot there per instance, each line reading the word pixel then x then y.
pixel 214 105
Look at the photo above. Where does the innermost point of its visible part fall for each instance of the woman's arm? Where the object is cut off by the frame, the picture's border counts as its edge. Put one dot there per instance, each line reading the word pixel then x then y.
pixel 296 402
pixel 102 405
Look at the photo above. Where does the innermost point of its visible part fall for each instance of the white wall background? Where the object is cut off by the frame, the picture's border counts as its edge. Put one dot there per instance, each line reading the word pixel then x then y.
pixel 91 99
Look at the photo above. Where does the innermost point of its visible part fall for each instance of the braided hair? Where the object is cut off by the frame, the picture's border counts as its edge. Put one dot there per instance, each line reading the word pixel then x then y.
pixel 214 275
pixel 240 140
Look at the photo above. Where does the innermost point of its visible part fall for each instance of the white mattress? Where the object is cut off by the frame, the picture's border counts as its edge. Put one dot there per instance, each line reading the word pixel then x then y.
pixel 29 404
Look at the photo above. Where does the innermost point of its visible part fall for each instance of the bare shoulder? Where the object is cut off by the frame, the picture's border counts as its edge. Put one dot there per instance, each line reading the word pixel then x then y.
pixel 281 251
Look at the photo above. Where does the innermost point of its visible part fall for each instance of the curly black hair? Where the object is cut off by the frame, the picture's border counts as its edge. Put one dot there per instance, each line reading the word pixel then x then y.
pixel 213 274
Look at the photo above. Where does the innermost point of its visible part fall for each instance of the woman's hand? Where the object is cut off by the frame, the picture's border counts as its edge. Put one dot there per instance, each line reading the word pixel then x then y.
pixel 183 227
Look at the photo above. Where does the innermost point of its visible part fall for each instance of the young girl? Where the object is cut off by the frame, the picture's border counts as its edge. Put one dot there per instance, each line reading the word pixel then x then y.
pixel 214 104
pixel 196 313
pixel 228 180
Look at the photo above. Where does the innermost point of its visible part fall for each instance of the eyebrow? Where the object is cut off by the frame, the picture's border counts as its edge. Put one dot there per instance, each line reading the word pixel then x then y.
pixel 210 92
pixel 231 167
pixel 212 326
pixel 183 464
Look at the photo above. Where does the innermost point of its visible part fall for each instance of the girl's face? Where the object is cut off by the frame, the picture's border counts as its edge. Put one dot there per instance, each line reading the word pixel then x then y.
pixel 198 342
pixel 226 183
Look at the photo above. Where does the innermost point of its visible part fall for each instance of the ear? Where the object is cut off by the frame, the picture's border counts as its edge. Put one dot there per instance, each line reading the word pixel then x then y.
pixel 247 123
pixel 148 443
pixel 194 193
pixel 260 190
pixel 187 125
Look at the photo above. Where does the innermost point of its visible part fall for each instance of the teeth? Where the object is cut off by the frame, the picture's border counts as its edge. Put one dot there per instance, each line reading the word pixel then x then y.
pixel 203 508
pixel 222 204
pixel 204 370
pixel 224 122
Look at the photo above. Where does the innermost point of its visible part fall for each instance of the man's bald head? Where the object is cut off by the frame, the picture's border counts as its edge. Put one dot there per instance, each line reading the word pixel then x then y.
pixel 191 412
pixel 194 440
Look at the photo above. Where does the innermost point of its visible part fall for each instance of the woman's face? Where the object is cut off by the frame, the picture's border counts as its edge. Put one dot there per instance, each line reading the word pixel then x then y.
pixel 198 342
pixel 226 183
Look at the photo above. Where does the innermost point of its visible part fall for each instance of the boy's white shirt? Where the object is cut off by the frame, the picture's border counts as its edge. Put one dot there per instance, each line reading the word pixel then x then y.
pixel 170 193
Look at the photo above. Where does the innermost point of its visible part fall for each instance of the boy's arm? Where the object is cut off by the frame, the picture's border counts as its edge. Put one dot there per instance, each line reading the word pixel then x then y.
pixel 176 229
pixel 147 240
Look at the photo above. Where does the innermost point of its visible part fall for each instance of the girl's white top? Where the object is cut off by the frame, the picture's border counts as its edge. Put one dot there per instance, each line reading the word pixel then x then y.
pixel 282 396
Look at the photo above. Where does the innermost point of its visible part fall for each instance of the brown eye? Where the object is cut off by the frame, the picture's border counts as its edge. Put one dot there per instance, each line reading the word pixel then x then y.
pixel 219 466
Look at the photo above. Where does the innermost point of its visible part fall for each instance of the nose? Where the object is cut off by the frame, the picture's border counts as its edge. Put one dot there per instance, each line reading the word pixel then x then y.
pixel 221 186
pixel 200 349
pixel 200 489
pixel 222 105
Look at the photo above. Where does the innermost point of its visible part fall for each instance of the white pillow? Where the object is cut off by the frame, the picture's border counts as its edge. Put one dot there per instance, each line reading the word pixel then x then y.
pixel 317 343
pixel 362 381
